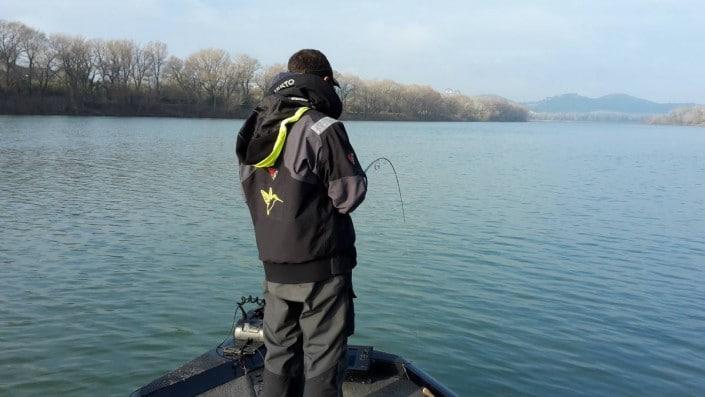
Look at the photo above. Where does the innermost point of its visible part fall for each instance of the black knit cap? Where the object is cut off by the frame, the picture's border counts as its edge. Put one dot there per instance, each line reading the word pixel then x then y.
pixel 312 62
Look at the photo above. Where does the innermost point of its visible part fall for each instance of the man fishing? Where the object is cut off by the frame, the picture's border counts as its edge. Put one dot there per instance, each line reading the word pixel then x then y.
pixel 301 180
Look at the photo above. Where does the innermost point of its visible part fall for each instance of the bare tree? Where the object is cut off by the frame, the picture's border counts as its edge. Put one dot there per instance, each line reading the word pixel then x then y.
pixel 140 67
pixel 183 80
pixel 349 85
pixel 103 67
pixel 117 64
pixel 209 68
pixel 424 102
pixel 265 78
pixel 121 59
pixel 245 67
pixel 174 71
pixel 47 66
pixel 75 56
pixel 10 39
pixel 231 86
pixel 372 99
pixel 32 43
pixel 156 52
pixel 391 96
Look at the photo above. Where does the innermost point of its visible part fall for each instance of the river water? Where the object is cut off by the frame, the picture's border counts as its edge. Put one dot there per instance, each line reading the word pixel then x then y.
pixel 542 259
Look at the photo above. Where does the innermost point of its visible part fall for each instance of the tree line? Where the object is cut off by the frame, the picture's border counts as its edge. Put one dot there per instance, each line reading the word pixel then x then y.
pixel 595 116
pixel 686 116
pixel 64 74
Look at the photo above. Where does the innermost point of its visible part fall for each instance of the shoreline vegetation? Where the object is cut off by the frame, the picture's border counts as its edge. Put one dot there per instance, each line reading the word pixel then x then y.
pixel 59 74
pixel 686 116
pixel 599 116
pixel 694 116
pixel 691 116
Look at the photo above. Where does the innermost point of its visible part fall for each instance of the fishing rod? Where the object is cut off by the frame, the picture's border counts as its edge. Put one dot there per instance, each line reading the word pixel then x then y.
pixel 376 164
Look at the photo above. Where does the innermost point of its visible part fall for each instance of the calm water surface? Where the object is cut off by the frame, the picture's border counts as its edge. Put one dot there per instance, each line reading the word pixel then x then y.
pixel 542 259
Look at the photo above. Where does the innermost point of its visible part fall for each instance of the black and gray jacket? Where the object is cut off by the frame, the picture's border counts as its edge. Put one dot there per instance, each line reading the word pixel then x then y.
pixel 301 180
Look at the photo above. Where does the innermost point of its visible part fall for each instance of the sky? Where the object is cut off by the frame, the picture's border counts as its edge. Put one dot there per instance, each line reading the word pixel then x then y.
pixel 522 50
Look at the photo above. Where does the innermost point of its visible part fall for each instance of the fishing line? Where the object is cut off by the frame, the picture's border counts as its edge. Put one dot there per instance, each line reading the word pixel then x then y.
pixel 376 164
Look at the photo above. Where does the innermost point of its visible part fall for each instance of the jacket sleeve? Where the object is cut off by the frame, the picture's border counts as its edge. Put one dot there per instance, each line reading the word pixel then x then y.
pixel 340 170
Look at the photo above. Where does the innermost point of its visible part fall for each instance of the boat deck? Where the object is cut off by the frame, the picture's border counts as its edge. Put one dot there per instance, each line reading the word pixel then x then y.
pixel 392 386
pixel 370 373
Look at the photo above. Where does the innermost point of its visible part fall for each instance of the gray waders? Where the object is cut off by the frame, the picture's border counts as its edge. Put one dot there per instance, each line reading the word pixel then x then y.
pixel 306 329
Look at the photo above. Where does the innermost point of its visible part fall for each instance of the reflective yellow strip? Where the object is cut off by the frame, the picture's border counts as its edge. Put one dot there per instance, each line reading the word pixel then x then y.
pixel 281 139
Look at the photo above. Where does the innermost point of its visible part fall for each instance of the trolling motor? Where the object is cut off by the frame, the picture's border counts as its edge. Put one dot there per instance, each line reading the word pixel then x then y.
pixel 250 330
pixel 247 331
pixel 249 327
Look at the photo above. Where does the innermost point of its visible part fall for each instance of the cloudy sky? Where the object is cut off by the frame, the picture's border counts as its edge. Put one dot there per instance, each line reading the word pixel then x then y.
pixel 524 50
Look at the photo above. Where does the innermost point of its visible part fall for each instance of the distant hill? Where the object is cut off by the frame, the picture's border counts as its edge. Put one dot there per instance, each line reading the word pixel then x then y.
pixel 614 103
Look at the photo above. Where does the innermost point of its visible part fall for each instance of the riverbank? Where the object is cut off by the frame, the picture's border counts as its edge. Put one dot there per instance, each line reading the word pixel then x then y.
pixel 681 117
pixel 488 109
pixel 693 116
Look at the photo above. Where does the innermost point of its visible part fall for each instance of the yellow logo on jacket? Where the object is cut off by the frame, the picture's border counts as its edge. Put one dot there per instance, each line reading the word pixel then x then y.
pixel 270 198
